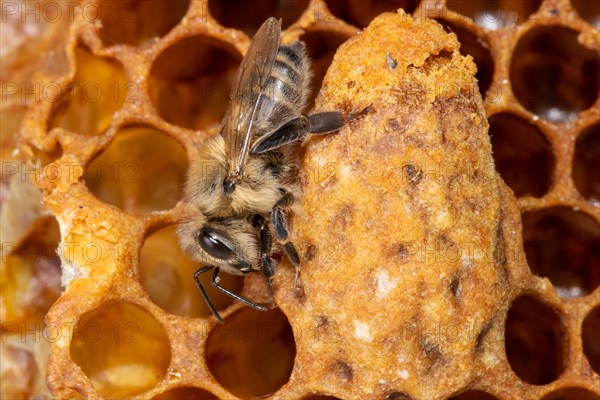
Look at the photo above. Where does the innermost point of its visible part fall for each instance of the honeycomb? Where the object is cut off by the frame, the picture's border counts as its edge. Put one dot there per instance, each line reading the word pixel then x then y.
pixel 105 104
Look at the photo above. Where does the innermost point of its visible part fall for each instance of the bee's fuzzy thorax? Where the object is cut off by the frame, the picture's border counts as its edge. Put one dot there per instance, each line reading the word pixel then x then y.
pixel 262 182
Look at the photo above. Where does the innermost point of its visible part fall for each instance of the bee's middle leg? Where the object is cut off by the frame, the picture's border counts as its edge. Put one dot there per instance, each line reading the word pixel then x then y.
pixel 281 230
pixel 266 242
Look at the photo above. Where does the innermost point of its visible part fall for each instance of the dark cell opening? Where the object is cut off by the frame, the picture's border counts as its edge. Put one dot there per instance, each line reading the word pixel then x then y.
pixel 194 91
pixel 554 76
pixel 522 155
pixel 586 164
pixel 473 395
pixel 590 334
pixel 534 340
pixel 248 16
pixel 588 10
pixel 360 12
pixel 252 354
pixel 321 47
pixel 563 245
pixel 186 393
pixel 570 394
pixel 134 22
pixel 471 45
pixel 495 14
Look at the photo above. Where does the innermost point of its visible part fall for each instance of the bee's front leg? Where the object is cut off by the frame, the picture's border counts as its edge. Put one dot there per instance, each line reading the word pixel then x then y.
pixel 281 231
pixel 204 294
pixel 215 283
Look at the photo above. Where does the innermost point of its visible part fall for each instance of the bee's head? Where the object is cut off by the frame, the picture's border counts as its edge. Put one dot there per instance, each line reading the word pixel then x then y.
pixel 229 244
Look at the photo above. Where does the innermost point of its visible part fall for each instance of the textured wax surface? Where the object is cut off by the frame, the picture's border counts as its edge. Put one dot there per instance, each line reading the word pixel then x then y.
pixel 422 277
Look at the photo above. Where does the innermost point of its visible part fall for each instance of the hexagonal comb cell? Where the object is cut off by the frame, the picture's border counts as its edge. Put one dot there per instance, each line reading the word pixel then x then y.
pixel 495 14
pixel 471 45
pixel 586 173
pixel 193 92
pixel 252 354
pixel 321 47
pixel 588 10
pixel 96 92
pixel 473 395
pixel 553 75
pixel 9 127
pixel 590 332
pixel 134 22
pixel 248 16
pixel 570 393
pixel 563 245
pixel 18 367
pixel 360 12
pixel 31 274
pixel 534 340
pixel 186 393
pixel 121 348
pixel 522 155
pixel 142 170
pixel 168 277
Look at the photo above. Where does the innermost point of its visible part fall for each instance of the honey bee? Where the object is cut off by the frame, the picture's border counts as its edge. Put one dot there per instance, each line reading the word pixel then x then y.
pixel 246 179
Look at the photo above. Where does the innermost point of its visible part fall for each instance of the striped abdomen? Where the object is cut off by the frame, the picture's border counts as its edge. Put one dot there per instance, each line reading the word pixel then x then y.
pixel 286 91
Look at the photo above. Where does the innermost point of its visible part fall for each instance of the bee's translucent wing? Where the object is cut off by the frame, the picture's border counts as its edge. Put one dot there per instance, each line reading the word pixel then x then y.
pixel 248 89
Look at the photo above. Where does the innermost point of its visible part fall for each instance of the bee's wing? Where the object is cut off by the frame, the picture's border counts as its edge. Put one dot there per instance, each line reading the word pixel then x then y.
pixel 250 81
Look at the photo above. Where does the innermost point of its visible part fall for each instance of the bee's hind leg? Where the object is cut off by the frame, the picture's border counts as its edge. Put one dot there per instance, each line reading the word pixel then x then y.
pixel 330 121
pixel 281 231
pixel 296 129
pixel 215 283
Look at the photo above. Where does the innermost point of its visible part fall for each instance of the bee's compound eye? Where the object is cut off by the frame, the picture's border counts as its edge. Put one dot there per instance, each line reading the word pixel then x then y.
pixel 211 241
pixel 228 186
